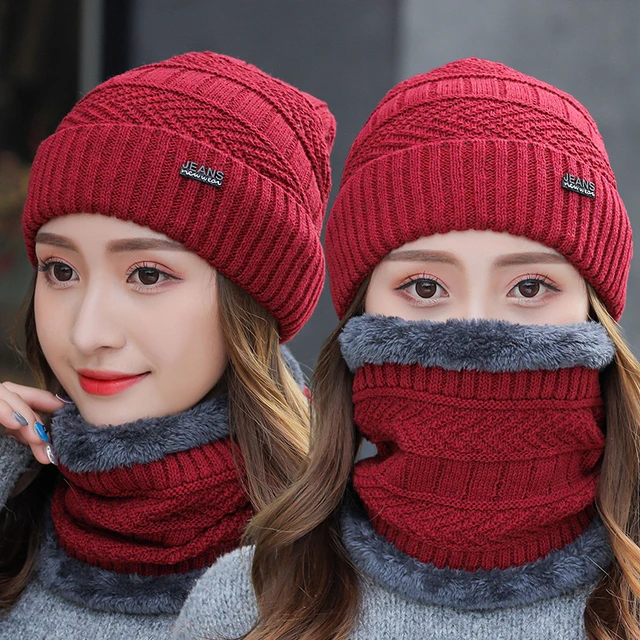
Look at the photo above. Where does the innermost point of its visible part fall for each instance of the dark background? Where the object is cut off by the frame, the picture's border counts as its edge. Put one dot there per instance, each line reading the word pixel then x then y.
pixel 346 52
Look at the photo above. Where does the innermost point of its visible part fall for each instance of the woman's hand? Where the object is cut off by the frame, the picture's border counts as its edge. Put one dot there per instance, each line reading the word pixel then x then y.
pixel 19 406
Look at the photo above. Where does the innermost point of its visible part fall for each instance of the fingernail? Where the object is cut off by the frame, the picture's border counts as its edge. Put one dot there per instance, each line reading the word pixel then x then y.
pixel 52 456
pixel 42 432
pixel 20 419
pixel 64 398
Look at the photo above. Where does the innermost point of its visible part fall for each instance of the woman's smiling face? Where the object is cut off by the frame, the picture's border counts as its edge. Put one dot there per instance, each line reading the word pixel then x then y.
pixel 127 319
pixel 478 274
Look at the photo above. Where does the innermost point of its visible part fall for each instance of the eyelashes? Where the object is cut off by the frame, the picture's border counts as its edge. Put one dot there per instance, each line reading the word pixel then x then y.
pixel 47 267
pixel 149 271
pixel 422 290
pixel 423 277
pixel 145 277
pixel 425 289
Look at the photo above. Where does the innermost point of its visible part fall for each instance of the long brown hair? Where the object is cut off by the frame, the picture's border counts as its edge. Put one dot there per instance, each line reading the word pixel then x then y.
pixel 613 609
pixel 305 583
pixel 268 418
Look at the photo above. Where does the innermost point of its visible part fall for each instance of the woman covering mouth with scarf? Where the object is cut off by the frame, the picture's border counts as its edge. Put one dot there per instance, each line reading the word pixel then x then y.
pixel 478 255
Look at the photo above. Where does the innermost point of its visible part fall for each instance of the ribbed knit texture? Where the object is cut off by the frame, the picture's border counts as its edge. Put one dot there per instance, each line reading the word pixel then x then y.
pixel 173 515
pixel 477 145
pixel 509 461
pixel 120 150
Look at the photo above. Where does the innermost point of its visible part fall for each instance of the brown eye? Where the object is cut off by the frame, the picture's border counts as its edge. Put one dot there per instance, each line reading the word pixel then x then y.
pixel 529 288
pixel 426 288
pixel 148 276
pixel 62 272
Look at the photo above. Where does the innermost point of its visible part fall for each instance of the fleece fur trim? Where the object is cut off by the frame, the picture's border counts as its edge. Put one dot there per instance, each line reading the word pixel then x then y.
pixel 482 345
pixel 81 446
pixel 15 459
pixel 104 590
pixel 581 563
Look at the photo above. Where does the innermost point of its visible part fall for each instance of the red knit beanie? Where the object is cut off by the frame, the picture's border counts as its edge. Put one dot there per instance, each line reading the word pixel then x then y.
pixel 477 145
pixel 213 153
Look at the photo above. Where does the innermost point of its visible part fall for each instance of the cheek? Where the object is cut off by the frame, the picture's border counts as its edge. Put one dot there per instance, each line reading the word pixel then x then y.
pixel 381 298
pixel 572 307
pixel 187 351
pixel 51 320
pixel 578 309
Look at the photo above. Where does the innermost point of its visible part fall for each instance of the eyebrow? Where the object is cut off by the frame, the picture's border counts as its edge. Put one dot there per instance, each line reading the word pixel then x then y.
pixel 531 257
pixel 114 246
pixel 421 256
pixel 507 260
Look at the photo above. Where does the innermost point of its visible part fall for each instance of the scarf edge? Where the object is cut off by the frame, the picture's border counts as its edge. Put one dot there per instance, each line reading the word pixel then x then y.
pixel 579 564
pixel 483 345
pixel 105 590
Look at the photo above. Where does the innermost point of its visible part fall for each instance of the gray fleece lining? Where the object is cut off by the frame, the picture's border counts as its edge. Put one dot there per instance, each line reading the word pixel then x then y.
pixel 104 590
pixel 581 563
pixel 483 345
pixel 81 446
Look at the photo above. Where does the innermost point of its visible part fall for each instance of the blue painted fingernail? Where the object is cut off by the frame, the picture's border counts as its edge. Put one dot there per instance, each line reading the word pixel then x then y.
pixel 20 419
pixel 42 432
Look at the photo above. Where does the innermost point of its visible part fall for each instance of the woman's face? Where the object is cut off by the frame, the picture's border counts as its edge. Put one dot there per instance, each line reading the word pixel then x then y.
pixel 478 274
pixel 128 319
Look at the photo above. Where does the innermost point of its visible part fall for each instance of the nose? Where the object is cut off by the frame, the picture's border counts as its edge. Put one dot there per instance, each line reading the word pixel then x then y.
pixel 479 305
pixel 97 324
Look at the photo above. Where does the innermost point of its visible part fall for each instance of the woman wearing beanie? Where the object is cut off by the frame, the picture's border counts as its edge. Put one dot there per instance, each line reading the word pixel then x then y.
pixel 174 223
pixel 478 254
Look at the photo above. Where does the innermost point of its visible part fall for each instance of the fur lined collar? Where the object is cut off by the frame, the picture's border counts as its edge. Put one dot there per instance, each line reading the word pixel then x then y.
pixel 83 447
pixel 483 345
pixel 579 564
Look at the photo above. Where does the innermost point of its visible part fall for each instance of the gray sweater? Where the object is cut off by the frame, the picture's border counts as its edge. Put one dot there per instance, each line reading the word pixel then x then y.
pixel 69 599
pixel 403 598
pixel 41 612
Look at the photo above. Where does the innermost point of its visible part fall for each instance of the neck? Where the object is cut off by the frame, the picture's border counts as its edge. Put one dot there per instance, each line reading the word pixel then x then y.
pixel 489 439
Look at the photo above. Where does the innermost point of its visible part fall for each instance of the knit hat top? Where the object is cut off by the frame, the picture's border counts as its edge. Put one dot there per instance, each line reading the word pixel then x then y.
pixel 477 145
pixel 213 153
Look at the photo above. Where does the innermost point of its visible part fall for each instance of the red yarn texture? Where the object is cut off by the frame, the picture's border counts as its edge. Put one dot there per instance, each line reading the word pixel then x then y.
pixel 477 145
pixel 120 150
pixel 173 515
pixel 479 470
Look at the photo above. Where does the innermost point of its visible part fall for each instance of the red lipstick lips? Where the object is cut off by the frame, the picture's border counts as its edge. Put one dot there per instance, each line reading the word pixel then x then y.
pixel 106 383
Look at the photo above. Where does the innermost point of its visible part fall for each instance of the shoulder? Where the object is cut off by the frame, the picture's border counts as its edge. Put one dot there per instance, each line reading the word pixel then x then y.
pixel 222 603
pixel 42 613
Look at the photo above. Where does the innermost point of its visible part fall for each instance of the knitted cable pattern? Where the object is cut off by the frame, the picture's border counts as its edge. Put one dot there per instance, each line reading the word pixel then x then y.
pixel 477 145
pixel 121 149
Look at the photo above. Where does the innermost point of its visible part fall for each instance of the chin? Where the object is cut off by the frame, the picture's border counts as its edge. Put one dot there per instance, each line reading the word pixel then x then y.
pixel 116 415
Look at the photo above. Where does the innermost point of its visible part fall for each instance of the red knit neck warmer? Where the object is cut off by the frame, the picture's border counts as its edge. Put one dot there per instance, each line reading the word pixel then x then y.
pixel 172 515
pixel 477 469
